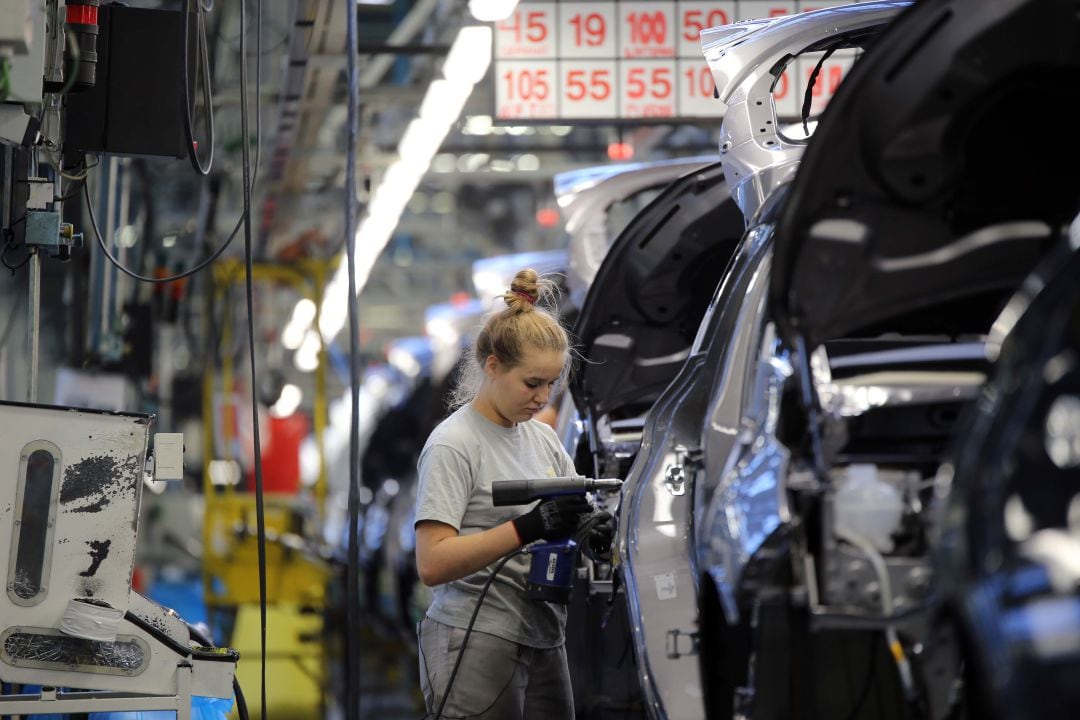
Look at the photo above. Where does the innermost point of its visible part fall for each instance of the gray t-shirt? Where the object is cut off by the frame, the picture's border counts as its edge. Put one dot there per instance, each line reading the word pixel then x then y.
pixel 460 460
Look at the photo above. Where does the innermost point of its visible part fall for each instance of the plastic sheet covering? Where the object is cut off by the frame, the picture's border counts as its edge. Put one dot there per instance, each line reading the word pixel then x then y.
pixel 202 708
pixel 51 649
pixel 91 622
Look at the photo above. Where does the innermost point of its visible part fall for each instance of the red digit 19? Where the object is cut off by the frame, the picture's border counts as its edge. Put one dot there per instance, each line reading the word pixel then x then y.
pixel 589 29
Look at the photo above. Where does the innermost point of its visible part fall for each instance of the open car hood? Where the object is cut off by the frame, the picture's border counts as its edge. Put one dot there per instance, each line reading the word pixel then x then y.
pixel 904 200
pixel 746 60
pixel 642 311
pixel 585 197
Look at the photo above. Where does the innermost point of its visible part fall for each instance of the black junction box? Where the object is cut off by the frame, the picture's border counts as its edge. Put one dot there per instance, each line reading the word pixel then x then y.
pixel 136 106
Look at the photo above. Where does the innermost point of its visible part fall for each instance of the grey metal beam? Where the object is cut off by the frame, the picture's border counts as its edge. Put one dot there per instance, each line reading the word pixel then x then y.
pixel 418 19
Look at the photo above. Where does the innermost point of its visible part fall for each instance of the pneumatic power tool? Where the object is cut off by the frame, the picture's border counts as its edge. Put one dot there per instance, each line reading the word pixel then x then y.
pixel 552 566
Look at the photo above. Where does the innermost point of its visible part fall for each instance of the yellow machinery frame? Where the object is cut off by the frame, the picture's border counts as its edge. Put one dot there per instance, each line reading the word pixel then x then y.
pixel 296 580
pixel 230 573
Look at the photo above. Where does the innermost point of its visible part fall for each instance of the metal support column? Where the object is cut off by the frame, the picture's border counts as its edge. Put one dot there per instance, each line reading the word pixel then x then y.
pixel 33 329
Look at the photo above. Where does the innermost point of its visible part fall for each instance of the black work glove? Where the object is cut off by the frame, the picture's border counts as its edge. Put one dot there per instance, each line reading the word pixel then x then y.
pixel 597 543
pixel 553 519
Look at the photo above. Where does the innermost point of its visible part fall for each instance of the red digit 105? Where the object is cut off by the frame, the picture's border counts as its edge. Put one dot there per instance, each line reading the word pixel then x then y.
pixel 527 84
pixel 589 29
pixel 647 28
pixel 595 84
pixel 694 21
pixel 700 82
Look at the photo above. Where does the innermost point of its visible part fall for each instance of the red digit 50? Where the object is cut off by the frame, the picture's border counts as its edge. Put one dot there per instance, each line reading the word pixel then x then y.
pixel 694 21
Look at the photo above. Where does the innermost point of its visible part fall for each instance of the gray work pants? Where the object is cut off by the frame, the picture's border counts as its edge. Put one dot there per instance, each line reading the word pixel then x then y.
pixel 497 679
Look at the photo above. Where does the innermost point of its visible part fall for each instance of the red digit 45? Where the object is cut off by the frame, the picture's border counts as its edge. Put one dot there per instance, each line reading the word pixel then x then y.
pixel 532 30
pixel 595 84
pixel 658 83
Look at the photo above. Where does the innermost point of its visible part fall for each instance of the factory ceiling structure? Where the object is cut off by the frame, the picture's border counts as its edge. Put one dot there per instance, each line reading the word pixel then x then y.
pixel 652 359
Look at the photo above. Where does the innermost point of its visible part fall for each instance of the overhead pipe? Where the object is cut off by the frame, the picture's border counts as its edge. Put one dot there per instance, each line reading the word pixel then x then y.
pixel 416 20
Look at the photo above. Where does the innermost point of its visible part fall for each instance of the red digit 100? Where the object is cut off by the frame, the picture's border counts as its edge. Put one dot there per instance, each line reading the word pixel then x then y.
pixel 646 28
pixel 694 21
pixel 700 82
pixel 527 84
pixel 589 29
pixel 595 84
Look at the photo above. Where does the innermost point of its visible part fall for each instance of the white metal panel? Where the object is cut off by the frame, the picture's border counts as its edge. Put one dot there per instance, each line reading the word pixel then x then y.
pixel 96 500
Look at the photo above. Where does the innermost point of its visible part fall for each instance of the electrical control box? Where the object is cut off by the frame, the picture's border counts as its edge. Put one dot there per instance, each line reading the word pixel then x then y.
pixel 135 108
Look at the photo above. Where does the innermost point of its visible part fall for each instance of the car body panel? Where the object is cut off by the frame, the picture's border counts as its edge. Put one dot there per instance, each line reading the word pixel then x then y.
pixel 586 196
pixel 1009 539
pixel 746 59
pixel 896 244
pixel 901 201
pixel 639 318
pixel 657 527
pixel 636 329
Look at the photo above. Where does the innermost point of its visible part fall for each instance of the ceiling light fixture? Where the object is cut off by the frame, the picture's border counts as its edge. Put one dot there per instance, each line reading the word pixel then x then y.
pixel 478 125
pixel 492 10
pixel 466 64
pixel 288 403
pixel 469 56
pixel 307 357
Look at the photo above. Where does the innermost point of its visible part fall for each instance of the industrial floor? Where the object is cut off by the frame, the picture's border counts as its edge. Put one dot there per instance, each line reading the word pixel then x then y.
pixel 302 684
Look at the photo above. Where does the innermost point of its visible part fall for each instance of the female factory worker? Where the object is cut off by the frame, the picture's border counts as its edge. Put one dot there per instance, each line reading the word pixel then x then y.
pixel 514 666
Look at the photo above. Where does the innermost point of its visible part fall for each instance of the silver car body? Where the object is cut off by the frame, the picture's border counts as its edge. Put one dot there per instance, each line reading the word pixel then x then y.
pixel 637 328
pixel 757 156
pixel 584 198
pixel 656 521
pixel 657 528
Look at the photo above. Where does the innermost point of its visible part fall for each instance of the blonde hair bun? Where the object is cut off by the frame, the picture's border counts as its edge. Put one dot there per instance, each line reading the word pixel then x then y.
pixel 529 323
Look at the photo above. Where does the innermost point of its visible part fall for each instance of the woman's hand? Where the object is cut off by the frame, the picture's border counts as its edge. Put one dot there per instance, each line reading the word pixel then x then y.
pixel 553 519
